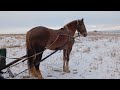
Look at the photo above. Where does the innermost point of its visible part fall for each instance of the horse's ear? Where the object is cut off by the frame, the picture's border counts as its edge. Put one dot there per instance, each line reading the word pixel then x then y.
pixel 82 19
pixel 62 28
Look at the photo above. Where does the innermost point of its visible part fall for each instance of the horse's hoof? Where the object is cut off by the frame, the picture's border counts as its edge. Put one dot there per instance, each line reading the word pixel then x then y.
pixel 67 71
pixel 40 78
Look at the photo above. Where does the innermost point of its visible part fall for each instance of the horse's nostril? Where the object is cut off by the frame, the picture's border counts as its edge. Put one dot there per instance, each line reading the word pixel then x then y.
pixel 85 34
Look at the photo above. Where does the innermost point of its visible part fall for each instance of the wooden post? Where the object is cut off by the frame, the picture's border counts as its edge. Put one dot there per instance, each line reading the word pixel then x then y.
pixel 2 59
pixel 1 77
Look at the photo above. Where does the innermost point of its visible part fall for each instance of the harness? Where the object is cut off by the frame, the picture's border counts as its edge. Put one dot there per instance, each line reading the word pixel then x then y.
pixel 70 39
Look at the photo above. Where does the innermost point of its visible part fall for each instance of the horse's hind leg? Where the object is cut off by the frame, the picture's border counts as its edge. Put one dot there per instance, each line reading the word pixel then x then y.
pixel 37 62
pixel 31 68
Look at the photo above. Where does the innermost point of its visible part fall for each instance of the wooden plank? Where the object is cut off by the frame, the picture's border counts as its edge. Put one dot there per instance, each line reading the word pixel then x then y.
pixel 1 77
pixel 2 59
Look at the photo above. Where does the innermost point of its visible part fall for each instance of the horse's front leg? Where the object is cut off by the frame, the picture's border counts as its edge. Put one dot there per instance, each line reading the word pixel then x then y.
pixel 64 60
pixel 66 54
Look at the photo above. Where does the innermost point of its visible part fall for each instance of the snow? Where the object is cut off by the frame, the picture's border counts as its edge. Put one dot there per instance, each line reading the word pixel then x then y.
pixel 96 56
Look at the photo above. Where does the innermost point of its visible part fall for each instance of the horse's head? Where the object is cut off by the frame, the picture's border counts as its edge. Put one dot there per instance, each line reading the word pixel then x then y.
pixel 81 28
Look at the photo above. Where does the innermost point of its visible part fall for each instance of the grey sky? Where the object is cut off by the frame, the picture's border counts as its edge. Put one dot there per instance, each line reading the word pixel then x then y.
pixel 56 18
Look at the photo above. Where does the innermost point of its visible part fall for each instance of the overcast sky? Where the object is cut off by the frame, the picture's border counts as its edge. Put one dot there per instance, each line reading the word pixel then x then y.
pixel 21 19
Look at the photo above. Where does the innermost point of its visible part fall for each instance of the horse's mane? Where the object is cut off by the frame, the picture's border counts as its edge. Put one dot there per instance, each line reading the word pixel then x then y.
pixel 70 22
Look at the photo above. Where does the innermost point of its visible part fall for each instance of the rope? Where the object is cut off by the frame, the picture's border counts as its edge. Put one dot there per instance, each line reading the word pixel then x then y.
pixel 21 72
pixel 8 57
pixel 36 53
pixel 39 53
pixel 45 48
pixel 36 63
pixel 54 41
pixel 42 59
pixel 18 59
pixel 8 65
pixel 49 45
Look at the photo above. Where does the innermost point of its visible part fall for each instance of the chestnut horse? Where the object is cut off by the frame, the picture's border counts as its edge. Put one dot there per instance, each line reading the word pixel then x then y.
pixel 40 38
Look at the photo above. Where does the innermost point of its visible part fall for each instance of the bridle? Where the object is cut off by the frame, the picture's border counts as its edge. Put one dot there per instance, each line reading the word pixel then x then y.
pixel 68 31
pixel 78 27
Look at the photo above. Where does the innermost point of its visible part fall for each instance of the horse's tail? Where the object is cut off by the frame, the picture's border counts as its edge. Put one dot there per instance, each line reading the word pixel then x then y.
pixel 30 50
pixel 28 44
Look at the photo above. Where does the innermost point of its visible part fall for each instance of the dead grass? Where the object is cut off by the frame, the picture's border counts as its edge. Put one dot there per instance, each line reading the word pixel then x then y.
pixel 5 43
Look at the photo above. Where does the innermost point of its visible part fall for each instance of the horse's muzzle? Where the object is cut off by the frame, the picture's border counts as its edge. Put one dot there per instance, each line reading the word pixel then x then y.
pixel 84 34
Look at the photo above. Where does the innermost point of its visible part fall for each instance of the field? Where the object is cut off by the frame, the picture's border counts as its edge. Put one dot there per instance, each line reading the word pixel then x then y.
pixel 96 56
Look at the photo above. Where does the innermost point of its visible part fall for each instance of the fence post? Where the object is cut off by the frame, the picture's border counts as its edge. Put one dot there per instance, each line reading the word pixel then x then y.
pixel 2 59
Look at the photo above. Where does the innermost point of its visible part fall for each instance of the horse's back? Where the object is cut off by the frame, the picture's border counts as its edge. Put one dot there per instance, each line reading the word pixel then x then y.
pixel 39 31
pixel 42 36
pixel 37 36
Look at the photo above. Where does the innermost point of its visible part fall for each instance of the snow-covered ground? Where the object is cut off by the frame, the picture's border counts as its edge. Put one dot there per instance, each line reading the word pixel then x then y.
pixel 96 56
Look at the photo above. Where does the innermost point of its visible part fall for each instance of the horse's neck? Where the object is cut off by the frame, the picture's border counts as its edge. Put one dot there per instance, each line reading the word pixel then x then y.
pixel 71 29
pixel 62 31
